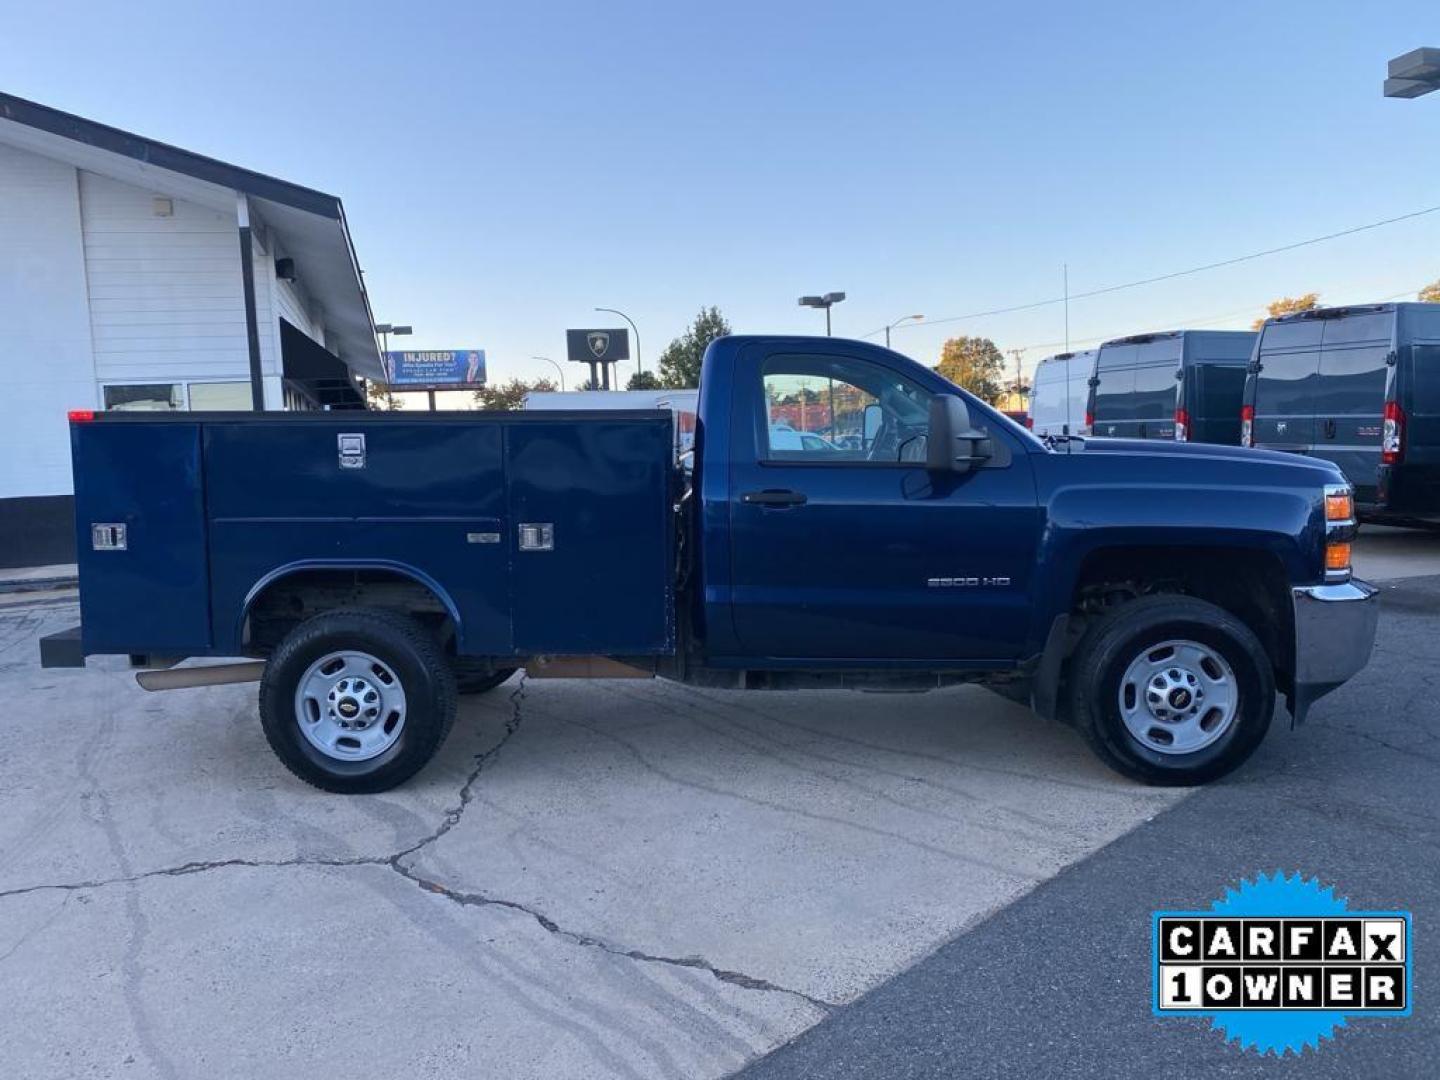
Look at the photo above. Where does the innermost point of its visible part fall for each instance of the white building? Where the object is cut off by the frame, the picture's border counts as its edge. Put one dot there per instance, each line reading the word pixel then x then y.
pixel 138 275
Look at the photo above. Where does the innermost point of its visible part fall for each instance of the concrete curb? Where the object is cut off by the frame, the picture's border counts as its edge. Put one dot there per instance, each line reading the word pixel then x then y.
pixel 38 579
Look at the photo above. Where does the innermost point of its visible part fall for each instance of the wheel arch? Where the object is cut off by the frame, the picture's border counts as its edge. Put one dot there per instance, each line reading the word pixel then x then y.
pixel 358 575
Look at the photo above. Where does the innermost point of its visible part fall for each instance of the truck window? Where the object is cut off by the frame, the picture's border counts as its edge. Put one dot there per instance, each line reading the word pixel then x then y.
pixel 1285 384
pixel 1154 392
pixel 1352 381
pixel 836 409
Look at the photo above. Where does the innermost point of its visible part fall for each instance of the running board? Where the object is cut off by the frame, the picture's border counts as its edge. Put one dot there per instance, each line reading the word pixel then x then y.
pixel 205 675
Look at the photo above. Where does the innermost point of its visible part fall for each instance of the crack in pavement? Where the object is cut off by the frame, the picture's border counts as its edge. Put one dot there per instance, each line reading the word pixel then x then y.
pixel 395 863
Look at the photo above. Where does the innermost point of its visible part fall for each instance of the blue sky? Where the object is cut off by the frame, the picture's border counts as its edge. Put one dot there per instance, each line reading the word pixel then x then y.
pixel 507 167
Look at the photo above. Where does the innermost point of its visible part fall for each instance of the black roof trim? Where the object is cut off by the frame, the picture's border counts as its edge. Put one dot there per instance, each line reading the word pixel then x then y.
pixel 165 156
pixel 1332 312
pixel 1140 339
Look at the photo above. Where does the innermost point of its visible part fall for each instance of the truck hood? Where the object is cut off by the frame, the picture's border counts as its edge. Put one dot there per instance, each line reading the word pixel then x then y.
pixel 1162 448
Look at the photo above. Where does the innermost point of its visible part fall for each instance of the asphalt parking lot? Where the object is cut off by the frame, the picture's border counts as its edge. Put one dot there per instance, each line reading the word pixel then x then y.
pixel 633 879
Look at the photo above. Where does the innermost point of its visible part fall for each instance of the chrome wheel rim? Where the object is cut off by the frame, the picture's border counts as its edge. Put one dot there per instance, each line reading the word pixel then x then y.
pixel 350 706
pixel 1178 697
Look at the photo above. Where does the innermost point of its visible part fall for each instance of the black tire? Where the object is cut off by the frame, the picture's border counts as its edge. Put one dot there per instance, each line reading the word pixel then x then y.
pixel 1120 636
pixel 477 678
pixel 401 644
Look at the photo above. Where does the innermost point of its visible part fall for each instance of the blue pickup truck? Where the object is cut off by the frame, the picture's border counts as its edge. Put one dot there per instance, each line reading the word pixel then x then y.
pixel 1156 595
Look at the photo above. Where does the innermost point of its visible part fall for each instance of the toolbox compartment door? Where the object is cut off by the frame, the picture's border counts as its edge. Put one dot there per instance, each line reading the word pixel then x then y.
pixel 603 583
pixel 144 579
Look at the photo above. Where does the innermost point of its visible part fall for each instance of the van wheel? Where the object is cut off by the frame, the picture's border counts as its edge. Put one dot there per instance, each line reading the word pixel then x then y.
pixel 357 700
pixel 1171 690
pixel 477 678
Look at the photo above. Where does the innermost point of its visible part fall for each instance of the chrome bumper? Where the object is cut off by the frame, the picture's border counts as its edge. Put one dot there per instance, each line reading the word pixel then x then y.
pixel 1334 634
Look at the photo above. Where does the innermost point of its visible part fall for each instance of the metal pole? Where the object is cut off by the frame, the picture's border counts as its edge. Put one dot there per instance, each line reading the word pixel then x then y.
pixel 827 320
pixel 639 366
pixel 887 337
pixel 1065 269
pixel 430 393
pixel 558 370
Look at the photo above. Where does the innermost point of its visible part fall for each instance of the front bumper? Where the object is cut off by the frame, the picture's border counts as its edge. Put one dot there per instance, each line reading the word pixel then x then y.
pixel 1334 634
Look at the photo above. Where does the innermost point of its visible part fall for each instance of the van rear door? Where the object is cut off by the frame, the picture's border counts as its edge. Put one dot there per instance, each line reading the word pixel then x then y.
pixel 1350 395
pixel 1283 396
pixel 1112 397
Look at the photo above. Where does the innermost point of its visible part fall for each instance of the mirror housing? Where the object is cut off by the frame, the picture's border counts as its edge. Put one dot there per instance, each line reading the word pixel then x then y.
pixel 872 418
pixel 954 445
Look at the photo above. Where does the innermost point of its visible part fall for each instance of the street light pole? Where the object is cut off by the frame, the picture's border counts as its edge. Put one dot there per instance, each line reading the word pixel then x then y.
pixel 385 329
pixel 639 365
pixel 558 370
pixel 897 322
pixel 829 300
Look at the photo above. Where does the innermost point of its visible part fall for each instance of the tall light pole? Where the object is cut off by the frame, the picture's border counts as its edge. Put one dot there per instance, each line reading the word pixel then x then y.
pixel 1414 75
pixel 639 367
pixel 558 370
pixel 896 323
pixel 827 302
pixel 385 329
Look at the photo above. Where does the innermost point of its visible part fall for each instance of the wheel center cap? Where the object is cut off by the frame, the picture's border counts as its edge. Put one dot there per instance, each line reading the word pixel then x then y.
pixel 347 707
pixel 1180 698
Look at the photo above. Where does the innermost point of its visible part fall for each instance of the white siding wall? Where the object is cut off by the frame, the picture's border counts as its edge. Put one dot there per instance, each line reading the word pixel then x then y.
pixel 166 301
pixel 45 356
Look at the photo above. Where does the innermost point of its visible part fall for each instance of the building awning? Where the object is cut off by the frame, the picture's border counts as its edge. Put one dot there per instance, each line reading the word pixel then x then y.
pixel 309 225
pixel 317 372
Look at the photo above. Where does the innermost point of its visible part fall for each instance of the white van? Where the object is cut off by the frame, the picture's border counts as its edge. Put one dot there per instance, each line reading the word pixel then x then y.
pixel 683 403
pixel 1059 393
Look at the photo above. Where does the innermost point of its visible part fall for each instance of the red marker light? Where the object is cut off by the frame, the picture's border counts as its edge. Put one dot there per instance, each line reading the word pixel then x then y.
pixel 81 416
pixel 1182 425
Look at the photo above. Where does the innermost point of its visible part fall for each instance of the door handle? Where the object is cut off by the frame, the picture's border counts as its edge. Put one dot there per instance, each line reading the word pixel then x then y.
pixel 1329 429
pixel 773 498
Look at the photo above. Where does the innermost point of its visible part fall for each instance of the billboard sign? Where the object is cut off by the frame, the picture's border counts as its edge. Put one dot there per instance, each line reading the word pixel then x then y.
pixel 597 346
pixel 436 369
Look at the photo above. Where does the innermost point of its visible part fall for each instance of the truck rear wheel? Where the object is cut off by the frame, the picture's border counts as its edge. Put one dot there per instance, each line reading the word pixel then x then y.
pixel 1172 690
pixel 357 700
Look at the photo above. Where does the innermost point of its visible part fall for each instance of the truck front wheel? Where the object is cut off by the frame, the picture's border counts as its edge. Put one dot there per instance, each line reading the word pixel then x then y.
pixel 357 701
pixel 1172 690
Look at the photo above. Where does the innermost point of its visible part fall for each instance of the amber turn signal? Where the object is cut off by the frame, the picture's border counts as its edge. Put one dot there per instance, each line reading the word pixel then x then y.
pixel 1337 555
pixel 1339 505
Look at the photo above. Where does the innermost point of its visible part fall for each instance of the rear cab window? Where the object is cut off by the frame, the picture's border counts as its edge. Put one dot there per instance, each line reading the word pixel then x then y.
pixel 1353 364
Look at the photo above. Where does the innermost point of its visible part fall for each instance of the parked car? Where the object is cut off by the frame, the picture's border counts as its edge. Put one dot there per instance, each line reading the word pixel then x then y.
pixel 787 439
pixel 1059 392
pixel 1359 386
pixel 1184 385
pixel 1155 595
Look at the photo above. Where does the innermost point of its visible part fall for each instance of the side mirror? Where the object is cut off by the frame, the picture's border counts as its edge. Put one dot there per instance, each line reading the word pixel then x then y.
pixel 954 446
pixel 874 417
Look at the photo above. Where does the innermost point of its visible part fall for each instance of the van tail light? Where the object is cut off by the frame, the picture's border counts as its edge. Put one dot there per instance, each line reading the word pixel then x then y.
pixel 1090 420
pixel 1247 425
pixel 1182 425
pixel 1030 423
pixel 1392 434
pixel 81 416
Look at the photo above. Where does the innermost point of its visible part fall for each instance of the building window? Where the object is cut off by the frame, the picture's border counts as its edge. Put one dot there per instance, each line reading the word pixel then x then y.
pixel 148 397
pixel 220 397
pixel 172 397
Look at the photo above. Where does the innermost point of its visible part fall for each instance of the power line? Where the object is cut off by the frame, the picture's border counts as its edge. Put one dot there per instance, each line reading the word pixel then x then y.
pixel 1174 274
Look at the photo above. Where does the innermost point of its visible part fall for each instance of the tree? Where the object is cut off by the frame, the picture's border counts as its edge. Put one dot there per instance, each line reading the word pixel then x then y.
pixel 976 364
pixel 1431 293
pixel 1288 305
pixel 680 362
pixel 379 397
pixel 510 395
pixel 643 380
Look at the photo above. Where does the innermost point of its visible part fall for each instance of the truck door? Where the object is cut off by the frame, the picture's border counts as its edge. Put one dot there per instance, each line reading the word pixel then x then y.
pixel 1284 384
pixel 1350 402
pixel 842 544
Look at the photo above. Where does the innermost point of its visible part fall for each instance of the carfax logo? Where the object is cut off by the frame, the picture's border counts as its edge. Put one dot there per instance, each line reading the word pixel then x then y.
pixel 1281 963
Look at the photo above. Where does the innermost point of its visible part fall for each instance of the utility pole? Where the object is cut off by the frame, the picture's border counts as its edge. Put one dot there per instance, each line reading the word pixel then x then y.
pixel 1018 388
